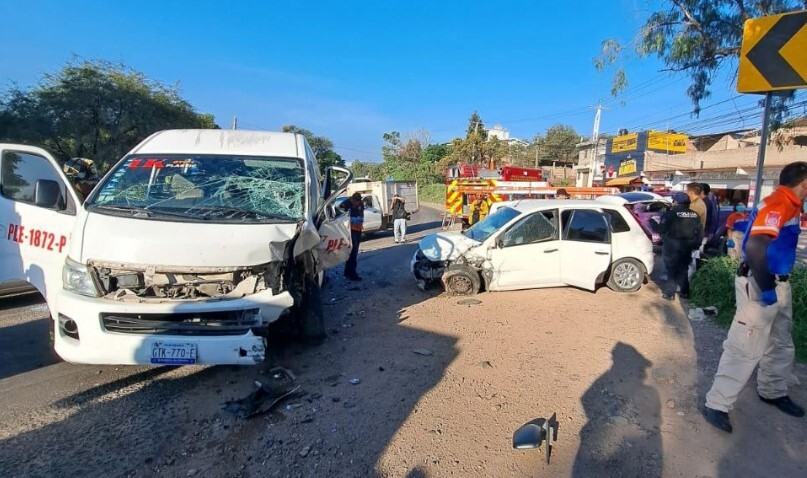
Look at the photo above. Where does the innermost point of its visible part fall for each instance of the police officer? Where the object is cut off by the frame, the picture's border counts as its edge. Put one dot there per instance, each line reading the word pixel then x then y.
pixel 681 229
pixel 761 330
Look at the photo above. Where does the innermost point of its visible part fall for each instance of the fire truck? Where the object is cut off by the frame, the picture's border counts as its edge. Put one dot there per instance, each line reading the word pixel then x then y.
pixel 465 183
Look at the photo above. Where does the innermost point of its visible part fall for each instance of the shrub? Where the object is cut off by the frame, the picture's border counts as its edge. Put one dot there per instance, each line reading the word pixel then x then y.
pixel 713 285
pixel 434 193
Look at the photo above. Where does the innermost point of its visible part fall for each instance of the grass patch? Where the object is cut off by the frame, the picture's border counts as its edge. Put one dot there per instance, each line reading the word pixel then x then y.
pixel 713 285
pixel 434 193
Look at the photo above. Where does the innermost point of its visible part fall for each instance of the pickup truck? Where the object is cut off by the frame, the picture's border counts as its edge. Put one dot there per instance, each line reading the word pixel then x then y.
pixel 377 197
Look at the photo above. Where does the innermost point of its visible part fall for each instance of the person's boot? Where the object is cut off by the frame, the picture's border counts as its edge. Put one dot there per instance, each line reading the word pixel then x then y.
pixel 717 419
pixel 785 405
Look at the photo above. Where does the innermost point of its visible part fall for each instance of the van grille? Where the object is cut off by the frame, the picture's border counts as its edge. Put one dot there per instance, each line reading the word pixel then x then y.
pixel 235 322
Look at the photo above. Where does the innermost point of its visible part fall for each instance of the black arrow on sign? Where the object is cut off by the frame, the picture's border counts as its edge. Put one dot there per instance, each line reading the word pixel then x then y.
pixel 765 55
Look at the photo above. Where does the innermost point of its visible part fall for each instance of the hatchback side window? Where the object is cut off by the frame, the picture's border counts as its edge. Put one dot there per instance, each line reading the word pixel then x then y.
pixel 618 223
pixel 587 226
pixel 21 171
pixel 537 227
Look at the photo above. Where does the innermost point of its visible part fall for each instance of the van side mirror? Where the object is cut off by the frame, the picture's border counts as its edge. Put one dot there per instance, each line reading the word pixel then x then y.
pixel 48 194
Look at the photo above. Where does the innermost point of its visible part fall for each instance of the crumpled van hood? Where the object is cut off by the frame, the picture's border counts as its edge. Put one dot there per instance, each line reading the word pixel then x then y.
pixel 128 240
pixel 444 246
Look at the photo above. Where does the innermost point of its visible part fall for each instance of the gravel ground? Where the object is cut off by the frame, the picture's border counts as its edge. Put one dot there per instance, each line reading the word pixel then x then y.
pixel 440 387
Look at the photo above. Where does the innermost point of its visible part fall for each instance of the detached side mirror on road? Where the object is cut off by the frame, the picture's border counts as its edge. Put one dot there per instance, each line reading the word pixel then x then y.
pixel 48 194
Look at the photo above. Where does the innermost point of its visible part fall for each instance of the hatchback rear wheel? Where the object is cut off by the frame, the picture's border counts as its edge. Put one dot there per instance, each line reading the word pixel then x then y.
pixel 627 275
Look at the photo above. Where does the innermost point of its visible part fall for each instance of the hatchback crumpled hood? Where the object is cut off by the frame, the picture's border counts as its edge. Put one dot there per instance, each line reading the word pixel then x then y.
pixel 444 246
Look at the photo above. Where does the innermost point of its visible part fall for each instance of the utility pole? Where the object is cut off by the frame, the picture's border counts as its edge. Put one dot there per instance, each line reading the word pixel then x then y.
pixel 763 144
pixel 235 122
pixel 595 138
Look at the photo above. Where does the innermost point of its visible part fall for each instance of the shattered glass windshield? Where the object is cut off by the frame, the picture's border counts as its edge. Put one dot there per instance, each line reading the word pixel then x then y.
pixel 216 188
pixel 492 223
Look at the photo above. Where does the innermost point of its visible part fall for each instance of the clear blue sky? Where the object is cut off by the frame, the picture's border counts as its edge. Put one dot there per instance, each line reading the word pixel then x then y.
pixel 352 70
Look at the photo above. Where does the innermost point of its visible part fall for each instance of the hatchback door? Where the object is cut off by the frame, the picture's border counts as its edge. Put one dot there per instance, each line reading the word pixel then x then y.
pixel 585 248
pixel 527 254
pixel 38 208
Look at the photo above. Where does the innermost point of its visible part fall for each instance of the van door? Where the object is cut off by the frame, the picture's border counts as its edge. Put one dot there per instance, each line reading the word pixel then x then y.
pixel 37 214
pixel 585 250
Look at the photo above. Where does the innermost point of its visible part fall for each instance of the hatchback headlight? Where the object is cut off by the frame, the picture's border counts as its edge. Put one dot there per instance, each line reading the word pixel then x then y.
pixel 77 278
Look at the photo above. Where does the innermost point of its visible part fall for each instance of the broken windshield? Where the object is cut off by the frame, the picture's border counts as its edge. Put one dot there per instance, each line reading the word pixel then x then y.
pixel 216 188
pixel 483 229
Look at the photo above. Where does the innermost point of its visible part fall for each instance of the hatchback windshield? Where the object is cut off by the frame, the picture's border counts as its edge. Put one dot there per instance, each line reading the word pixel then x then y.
pixel 216 188
pixel 484 228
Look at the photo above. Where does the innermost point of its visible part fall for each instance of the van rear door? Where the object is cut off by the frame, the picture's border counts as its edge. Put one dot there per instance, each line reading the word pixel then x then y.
pixel 37 214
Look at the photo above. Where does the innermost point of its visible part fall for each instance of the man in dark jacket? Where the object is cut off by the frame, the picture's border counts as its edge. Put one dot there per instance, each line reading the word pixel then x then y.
pixel 399 217
pixel 712 212
pixel 681 229
pixel 355 207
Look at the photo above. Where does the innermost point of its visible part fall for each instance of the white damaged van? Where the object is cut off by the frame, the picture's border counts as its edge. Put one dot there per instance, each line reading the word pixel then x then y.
pixel 184 253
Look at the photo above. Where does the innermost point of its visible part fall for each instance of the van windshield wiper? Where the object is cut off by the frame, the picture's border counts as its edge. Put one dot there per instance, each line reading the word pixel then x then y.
pixel 224 212
pixel 139 210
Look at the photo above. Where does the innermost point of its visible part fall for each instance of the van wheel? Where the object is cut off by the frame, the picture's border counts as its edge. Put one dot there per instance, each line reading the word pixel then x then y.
pixel 461 280
pixel 627 275
pixel 310 317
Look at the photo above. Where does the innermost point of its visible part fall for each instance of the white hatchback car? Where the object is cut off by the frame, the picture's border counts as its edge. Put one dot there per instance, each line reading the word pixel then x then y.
pixel 540 243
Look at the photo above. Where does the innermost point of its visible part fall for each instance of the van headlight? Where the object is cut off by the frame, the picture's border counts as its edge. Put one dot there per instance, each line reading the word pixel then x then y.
pixel 77 278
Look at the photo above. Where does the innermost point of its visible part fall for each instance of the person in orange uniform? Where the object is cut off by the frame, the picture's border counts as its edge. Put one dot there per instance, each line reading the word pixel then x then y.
pixel 736 224
pixel 761 332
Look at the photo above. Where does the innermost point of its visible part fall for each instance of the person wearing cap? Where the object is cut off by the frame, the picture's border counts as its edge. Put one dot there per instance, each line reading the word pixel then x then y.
pixel 681 229
pixel 761 331
pixel 355 207
pixel 399 216
pixel 561 194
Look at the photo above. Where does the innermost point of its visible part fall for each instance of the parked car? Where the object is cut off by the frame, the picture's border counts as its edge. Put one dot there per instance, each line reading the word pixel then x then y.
pixel 648 208
pixel 539 243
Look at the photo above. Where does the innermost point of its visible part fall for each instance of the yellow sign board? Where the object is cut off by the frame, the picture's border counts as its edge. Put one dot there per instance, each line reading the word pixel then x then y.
pixel 774 53
pixel 627 167
pixel 667 142
pixel 627 142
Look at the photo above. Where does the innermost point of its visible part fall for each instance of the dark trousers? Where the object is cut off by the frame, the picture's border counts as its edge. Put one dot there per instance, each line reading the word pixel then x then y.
pixel 353 260
pixel 677 255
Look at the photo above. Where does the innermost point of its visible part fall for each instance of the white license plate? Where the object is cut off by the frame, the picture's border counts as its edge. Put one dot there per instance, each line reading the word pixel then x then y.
pixel 173 353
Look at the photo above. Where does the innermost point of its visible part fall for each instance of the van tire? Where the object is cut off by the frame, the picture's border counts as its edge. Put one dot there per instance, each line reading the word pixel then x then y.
pixel 461 280
pixel 310 315
pixel 626 275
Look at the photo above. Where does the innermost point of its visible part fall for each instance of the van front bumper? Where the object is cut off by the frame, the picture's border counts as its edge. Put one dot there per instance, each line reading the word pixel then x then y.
pixel 199 332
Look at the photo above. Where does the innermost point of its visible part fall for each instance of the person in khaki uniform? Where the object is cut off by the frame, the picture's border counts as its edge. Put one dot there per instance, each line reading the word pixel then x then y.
pixel 761 332
pixel 696 204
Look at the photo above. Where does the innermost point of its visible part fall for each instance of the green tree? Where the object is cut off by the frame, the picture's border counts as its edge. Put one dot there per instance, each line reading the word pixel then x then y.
pixel 696 37
pixel 433 153
pixel 320 145
pixel 363 169
pixel 560 143
pixel 94 109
